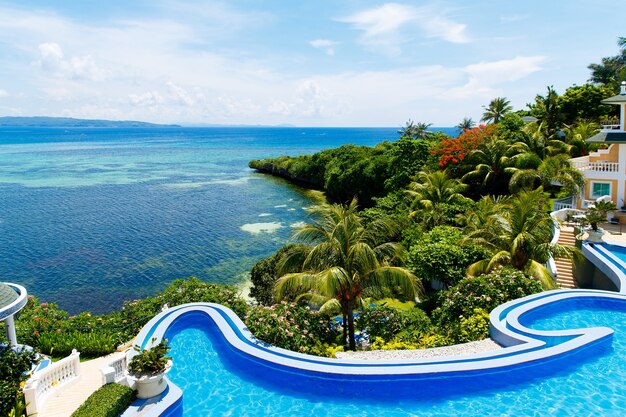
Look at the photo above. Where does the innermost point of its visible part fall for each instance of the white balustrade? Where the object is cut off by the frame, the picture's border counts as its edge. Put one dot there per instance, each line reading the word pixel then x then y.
pixel 50 379
pixel 596 166
pixel 114 371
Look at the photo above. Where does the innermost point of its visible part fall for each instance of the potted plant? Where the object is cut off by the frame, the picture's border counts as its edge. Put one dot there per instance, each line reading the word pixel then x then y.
pixel 597 214
pixel 148 367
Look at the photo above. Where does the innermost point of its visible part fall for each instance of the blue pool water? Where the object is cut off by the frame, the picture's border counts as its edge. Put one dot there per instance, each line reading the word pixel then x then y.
pixel 618 251
pixel 92 217
pixel 217 381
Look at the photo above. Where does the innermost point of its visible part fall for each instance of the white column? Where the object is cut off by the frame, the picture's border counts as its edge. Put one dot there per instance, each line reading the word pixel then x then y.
pixel 622 117
pixel 9 323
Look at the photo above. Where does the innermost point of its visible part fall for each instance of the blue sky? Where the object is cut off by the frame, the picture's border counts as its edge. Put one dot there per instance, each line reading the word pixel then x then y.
pixel 307 63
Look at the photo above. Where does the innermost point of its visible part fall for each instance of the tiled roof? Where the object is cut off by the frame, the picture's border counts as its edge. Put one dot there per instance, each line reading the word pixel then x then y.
pixel 7 295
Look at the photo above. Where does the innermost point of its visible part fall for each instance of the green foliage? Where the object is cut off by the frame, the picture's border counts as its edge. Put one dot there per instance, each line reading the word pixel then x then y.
pixel 263 276
pixel 441 256
pixel 90 345
pixel 46 327
pixel 380 321
pixel 583 103
pixel 474 327
pixel 13 368
pixel 290 326
pixel 148 362
pixel 108 401
pixel 484 292
pixel 407 157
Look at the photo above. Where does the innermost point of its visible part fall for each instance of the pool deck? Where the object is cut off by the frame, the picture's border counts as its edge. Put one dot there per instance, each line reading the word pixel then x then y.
pixel 481 346
pixel 65 401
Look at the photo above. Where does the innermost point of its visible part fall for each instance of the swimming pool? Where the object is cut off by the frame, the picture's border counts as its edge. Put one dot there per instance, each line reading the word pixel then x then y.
pixel 218 378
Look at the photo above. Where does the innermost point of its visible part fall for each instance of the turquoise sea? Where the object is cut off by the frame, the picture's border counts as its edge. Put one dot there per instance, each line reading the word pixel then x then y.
pixel 92 217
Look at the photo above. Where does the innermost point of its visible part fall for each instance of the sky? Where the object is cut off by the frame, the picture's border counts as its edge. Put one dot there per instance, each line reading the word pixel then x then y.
pixel 304 63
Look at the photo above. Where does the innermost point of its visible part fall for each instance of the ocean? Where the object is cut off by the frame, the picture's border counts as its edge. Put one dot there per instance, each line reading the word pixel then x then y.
pixel 92 217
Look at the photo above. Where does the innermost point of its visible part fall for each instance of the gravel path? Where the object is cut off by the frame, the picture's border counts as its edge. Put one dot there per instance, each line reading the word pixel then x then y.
pixel 470 348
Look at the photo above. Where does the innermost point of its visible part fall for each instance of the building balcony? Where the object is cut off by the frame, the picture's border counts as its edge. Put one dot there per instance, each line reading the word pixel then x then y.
pixel 583 164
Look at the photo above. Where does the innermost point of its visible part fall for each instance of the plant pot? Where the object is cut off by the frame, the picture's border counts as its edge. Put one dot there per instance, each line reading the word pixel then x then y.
pixel 595 235
pixel 150 386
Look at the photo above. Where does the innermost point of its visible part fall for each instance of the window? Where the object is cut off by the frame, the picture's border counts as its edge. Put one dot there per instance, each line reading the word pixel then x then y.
pixel 598 189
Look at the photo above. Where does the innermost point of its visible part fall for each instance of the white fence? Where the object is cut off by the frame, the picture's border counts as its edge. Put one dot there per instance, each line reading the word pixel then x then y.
pixel 596 166
pixel 114 371
pixel 51 378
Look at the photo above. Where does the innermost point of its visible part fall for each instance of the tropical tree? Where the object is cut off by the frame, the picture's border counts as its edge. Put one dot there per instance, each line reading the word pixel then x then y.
pixel 611 68
pixel 548 110
pixel 342 262
pixel 494 163
pixel 431 191
pixel 466 124
pixel 497 108
pixel 536 142
pixel 553 169
pixel 520 236
pixel 414 130
pixel 576 137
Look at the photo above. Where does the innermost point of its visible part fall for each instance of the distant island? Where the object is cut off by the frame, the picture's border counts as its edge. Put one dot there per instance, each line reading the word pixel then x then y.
pixel 41 121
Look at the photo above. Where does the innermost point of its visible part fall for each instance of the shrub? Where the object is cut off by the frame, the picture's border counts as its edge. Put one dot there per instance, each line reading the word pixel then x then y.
pixel 439 255
pixel 484 292
pixel 108 401
pixel 387 322
pixel 380 322
pixel 263 276
pixel 13 368
pixel 475 327
pixel 290 326
pixel 90 345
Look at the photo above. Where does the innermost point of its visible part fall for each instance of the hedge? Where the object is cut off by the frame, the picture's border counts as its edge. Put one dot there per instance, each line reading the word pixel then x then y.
pixel 108 401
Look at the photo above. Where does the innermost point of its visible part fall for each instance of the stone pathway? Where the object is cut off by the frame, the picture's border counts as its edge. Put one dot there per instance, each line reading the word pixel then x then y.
pixel 65 401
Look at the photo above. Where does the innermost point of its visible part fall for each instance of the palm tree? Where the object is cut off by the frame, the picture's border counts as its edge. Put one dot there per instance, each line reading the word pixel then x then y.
pixel 342 262
pixel 497 108
pixel 553 169
pixel 414 130
pixel 519 236
pixel 494 163
pixel 433 189
pixel 466 124
pixel 536 141
pixel 576 138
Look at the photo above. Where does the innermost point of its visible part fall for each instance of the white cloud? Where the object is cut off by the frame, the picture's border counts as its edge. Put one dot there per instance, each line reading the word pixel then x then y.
pixel 179 95
pixel 3 93
pixel 148 99
pixel 325 45
pixel 52 60
pixel 383 26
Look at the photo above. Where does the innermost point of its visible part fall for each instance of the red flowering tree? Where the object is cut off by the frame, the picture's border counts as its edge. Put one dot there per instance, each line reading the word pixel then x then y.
pixel 451 152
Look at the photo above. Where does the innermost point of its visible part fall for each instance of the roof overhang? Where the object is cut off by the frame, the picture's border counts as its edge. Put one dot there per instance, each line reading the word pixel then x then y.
pixel 618 99
pixel 17 304
pixel 616 136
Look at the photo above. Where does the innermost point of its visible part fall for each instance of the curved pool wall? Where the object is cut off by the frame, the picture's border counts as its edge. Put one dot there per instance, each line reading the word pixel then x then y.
pixel 601 256
pixel 528 353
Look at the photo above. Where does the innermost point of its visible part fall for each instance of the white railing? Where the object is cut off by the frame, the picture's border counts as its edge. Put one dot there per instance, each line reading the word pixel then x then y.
pixel 114 371
pixel 561 205
pixel 596 166
pixel 53 377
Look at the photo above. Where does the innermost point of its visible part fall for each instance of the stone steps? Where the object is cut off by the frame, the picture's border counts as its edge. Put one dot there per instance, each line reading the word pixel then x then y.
pixel 565 267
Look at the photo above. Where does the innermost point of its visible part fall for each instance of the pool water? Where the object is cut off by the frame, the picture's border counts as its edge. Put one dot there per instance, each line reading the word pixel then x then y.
pixel 219 381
